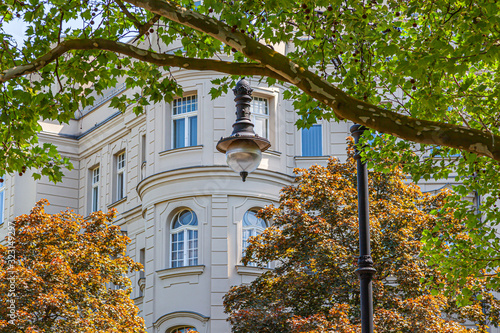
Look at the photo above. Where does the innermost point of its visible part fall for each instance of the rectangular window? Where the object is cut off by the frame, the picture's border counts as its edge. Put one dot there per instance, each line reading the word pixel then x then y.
pixel 185 121
pixel 260 116
pixel 312 141
pixel 2 199
pixel 120 176
pixel 95 189
pixel 142 260
pixel 143 157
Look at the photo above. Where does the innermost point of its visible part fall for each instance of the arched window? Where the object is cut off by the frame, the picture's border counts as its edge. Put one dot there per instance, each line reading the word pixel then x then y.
pixel 184 239
pixel 183 329
pixel 252 226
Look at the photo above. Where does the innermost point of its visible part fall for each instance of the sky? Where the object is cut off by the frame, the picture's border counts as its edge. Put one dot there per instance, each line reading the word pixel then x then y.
pixel 17 28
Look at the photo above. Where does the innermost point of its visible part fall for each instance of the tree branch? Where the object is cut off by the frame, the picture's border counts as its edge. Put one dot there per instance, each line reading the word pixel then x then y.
pixel 131 17
pixel 142 28
pixel 344 106
pixel 139 54
pixel 146 26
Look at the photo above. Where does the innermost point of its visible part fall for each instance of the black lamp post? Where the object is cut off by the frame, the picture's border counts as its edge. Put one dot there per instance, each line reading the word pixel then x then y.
pixel 243 148
pixel 365 269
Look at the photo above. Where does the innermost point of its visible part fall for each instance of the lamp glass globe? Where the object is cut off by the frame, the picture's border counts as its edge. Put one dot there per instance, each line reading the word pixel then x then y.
pixel 243 156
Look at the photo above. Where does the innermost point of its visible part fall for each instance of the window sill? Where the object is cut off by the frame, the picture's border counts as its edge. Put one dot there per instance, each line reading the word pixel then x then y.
pixel 250 270
pixel 169 273
pixel 117 202
pixel 178 150
pixel 305 162
pixel 305 158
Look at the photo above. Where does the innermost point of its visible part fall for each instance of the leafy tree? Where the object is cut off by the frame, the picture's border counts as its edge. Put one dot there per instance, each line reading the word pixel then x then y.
pixel 314 243
pixel 424 71
pixel 66 273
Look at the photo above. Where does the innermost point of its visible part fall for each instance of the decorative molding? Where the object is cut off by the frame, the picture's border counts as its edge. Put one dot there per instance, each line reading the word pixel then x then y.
pixel 235 207
pixel 138 300
pixel 132 211
pixel 251 271
pixel 117 202
pixel 202 173
pixel 169 273
pixel 180 150
pixel 142 283
pixel 180 314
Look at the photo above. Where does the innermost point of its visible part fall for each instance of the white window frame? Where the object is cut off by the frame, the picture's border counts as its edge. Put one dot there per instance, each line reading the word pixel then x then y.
pixel 120 174
pixel 185 231
pixel 95 177
pixel 260 112
pixel 254 231
pixel 2 201
pixel 186 116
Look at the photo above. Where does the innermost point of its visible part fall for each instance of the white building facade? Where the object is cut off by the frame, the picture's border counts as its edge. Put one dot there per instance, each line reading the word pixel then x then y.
pixel 188 215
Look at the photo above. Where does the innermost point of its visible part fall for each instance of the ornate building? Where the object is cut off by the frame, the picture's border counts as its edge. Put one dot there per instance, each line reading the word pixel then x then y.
pixel 188 215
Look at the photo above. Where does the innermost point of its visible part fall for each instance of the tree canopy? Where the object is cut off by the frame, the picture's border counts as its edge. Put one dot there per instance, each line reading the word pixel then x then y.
pixel 64 273
pixel 421 71
pixel 313 243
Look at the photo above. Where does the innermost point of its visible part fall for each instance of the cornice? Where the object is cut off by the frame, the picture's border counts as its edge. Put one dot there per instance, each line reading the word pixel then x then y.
pixel 116 203
pixel 202 173
pixel 178 150
pixel 135 211
pixel 169 273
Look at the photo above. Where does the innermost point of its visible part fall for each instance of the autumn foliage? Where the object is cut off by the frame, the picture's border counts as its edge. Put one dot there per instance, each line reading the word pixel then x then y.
pixel 66 273
pixel 313 243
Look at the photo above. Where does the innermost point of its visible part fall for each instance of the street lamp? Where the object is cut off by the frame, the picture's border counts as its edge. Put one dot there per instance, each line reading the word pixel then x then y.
pixel 243 148
pixel 365 269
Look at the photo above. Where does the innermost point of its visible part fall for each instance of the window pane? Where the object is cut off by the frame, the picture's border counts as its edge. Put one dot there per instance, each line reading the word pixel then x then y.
pixel 120 188
pixel 185 104
pixel 312 143
pixel 185 217
pixel 95 176
pixel 192 247
pixel 95 199
pixel 193 131
pixel 184 329
pixel 247 233
pixel 1 205
pixel 250 219
pixel 179 133
pixel 143 148
pixel 178 249
pixel 260 127
pixel 259 106
pixel 120 161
